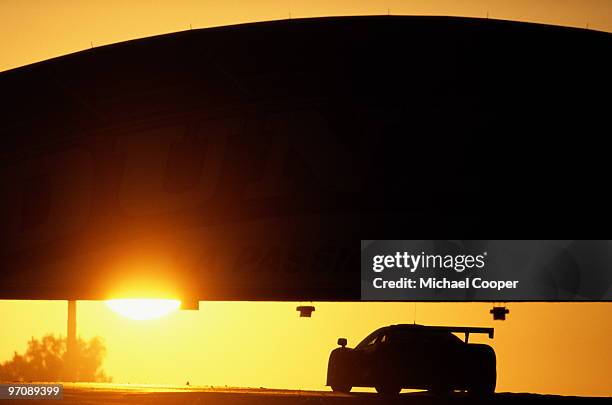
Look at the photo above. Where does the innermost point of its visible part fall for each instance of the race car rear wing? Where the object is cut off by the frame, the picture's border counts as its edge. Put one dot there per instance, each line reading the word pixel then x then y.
pixel 463 329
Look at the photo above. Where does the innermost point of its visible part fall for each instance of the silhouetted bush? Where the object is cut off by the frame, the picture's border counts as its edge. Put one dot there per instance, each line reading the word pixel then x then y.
pixel 46 360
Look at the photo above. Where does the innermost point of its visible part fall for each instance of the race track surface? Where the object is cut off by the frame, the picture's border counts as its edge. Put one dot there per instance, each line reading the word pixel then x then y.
pixel 149 394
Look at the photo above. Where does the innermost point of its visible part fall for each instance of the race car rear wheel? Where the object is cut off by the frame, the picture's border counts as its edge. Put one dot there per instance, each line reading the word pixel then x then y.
pixel 388 389
pixel 440 390
pixel 484 387
pixel 485 376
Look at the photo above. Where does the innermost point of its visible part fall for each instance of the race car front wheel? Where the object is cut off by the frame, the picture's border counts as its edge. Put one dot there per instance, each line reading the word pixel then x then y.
pixel 341 388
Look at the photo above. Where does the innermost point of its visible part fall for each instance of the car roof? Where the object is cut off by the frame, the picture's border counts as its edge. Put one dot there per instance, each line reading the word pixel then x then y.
pixel 438 330
pixel 409 326
pixel 405 327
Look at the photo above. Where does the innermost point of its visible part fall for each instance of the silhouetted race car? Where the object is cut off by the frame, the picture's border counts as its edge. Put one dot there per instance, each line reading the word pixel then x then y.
pixel 415 356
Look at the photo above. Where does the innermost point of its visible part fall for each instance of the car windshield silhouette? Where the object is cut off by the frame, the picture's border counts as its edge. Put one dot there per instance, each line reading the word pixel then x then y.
pixel 408 335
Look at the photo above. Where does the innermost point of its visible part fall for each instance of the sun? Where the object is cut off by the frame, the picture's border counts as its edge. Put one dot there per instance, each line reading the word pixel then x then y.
pixel 143 309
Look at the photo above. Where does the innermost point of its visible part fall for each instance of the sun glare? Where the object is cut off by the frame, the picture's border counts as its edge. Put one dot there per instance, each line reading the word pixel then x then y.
pixel 143 309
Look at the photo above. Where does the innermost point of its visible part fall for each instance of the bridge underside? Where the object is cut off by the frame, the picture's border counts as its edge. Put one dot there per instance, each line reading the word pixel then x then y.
pixel 247 162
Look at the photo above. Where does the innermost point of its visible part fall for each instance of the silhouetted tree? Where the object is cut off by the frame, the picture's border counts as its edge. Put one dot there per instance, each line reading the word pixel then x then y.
pixel 45 360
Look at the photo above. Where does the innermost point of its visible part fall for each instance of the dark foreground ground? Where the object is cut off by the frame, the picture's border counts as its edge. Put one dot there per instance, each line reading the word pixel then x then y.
pixel 128 394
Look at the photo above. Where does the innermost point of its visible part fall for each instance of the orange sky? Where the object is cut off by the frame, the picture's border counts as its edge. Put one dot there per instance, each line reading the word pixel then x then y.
pixel 561 348
pixel 34 30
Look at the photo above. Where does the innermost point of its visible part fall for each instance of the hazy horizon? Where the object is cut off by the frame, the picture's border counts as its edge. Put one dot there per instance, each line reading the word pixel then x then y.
pixel 548 348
